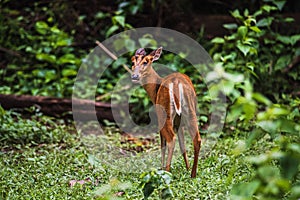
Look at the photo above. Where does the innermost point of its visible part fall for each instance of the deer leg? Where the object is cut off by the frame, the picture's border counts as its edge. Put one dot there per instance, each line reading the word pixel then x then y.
pixel 182 146
pixel 169 136
pixel 163 150
pixel 197 146
pixel 171 145
pixel 194 132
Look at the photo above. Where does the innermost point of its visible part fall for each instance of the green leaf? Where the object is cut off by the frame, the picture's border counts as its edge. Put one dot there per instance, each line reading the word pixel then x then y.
pixel 282 62
pixel 268 126
pixel 244 191
pixel 228 86
pixel 167 176
pixel 262 99
pixel 250 21
pixel 289 19
pixel 63 42
pixel 46 57
pixel 41 27
pixel 119 20
pixel 146 177
pixel 249 109
pixel 119 44
pixel 246 12
pixel 2 111
pixel 67 58
pixel 294 148
pixel 111 30
pixel 146 41
pixel 254 135
pixel 148 190
pixel 277 110
pixel 130 45
pixel 218 40
pixel 295 192
pixel 101 15
pixel 31 159
pixel 55 30
pixel 203 118
pixel 269 173
pixel 230 26
pixel 124 4
pixel 265 22
pixel 68 72
pixel 50 75
pixel 279 4
pixel 167 193
pixel 236 14
pixel 268 8
pixel 249 41
pixel 284 39
pixel 295 39
pixel 255 29
pixel 243 48
pixel 287 126
pixel 242 31
pixel 257 13
pixel 259 160
pixel 290 164
pixel 134 9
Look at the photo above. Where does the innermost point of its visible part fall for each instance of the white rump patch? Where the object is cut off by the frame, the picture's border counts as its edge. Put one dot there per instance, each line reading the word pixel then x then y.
pixel 172 98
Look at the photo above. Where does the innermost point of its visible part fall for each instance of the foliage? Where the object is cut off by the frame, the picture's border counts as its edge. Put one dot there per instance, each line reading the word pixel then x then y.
pixel 242 57
pixel 43 58
pixel 109 191
pixel 45 169
pixel 38 158
pixel 17 130
pixel 256 57
pixel 159 180
pixel 257 156
pixel 257 49
pixel 44 61
pixel 273 181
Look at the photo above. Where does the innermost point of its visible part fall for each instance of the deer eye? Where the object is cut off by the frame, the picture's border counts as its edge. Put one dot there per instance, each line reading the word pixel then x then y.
pixel 145 63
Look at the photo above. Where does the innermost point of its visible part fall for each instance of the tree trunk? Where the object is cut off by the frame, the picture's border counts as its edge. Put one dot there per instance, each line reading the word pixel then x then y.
pixel 57 107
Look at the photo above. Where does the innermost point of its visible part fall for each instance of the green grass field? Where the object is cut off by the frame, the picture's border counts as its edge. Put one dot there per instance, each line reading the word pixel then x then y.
pixel 52 167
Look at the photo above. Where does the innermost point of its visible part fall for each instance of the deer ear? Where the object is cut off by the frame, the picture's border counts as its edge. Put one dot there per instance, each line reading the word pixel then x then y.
pixel 140 51
pixel 156 53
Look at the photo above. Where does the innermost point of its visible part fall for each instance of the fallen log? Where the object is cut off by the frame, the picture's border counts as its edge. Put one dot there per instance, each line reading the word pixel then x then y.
pixel 58 107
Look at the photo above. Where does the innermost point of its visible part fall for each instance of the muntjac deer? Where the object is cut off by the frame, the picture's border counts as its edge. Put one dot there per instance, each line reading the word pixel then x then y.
pixel 174 98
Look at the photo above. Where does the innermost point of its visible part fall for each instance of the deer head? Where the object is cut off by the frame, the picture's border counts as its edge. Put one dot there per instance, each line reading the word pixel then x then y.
pixel 142 63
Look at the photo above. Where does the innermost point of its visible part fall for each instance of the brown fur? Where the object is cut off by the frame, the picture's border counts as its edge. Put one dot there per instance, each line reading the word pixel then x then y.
pixel 158 90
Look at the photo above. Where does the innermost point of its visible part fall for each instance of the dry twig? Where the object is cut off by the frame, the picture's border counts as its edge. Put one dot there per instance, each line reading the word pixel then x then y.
pixel 113 56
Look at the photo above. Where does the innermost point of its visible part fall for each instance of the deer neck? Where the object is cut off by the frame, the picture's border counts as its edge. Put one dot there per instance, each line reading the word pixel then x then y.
pixel 151 84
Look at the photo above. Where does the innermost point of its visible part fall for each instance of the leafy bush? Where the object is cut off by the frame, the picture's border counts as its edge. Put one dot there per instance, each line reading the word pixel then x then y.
pixel 273 181
pixel 111 190
pixel 41 129
pixel 251 65
pixel 156 180
pixel 246 55
pixel 43 57
pixel 44 61
pixel 258 49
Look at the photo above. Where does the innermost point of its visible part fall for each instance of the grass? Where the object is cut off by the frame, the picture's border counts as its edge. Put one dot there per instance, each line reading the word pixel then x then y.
pixel 44 169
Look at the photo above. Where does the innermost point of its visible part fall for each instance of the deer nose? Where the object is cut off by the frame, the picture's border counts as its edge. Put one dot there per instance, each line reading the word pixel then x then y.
pixel 135 77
